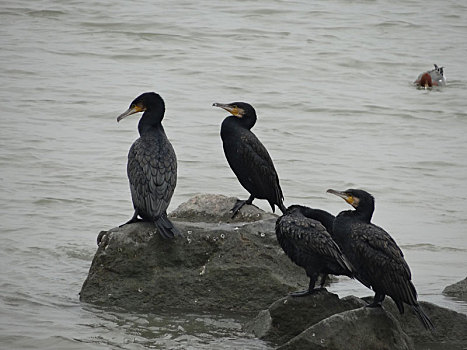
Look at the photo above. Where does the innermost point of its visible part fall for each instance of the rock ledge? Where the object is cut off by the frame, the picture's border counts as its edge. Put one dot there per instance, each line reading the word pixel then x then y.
pixel 220 264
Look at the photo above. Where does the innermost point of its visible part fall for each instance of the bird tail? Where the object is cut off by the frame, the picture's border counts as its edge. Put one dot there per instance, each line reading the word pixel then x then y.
pixel 281 206
pixel 348 266
pixel 423 317
pixel 344 263
pixel 166 228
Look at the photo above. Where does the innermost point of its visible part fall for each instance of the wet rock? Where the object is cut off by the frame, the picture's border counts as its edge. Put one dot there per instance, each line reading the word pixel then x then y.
pixel 450 326
pixel 289 316
pixel 457 290
pixel 218 265
pixel 323 321
pixel 362 328
pixel 216 208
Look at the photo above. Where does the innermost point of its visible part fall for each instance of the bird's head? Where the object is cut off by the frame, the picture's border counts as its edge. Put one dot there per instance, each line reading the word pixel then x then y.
pixel 356 198
pixel 145 102
pixel 238 109
pixel 243 111
pixel 295 208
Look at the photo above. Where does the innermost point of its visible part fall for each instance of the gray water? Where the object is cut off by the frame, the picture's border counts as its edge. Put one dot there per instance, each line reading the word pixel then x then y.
pixel 331 83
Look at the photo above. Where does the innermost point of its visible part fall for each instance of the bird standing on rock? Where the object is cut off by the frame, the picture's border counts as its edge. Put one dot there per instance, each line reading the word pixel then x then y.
pixel 152 165
pixel 377 260
pixel 248 158
pixel 304 235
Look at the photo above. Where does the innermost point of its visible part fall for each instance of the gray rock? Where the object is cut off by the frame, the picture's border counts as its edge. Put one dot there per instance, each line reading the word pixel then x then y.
pixel 457 290
pixel 322 320
pixel 362 328
pixel 216 266
pixel 216 208
pixel 289 316
pixel 450 326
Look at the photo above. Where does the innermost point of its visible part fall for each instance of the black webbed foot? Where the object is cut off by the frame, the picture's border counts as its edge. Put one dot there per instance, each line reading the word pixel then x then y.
pixel 374 304
pixel 323 280
pixel 236 208
pixel 132 220
pixel 100 236
pixel 240 204
pixel 377 301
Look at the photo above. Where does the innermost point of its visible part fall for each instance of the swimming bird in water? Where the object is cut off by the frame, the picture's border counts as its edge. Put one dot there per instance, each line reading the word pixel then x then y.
pixel 304 235
pixel 377 260
pixel 434 77
pixel 248 158
pixel 152 165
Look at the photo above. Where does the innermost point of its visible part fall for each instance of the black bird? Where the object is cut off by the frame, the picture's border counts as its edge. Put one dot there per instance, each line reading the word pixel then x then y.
pixel 248 158
pixel 152 165
pixel 304 235
pixel 377 260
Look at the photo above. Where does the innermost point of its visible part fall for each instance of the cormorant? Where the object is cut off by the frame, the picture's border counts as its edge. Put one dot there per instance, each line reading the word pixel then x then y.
pixel 248 158
pixel 304 235
pixel 377 260
pixel 152 165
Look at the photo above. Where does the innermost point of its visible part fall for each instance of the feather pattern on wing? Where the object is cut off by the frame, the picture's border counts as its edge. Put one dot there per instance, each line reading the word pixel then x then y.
pixel 253 166
pixel 152 172
pixel 309 245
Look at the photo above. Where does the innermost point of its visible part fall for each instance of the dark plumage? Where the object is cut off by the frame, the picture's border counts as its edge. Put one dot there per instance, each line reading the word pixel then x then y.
pixel 248 158
pixel 378 261
pixel 304 235
pixel 152 165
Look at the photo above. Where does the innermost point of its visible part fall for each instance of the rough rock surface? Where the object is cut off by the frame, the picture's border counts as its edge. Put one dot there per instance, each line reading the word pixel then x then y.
pixel 362 328
pixel 323 321
pixel 450 326
pixel 216 208
pixel 219 265
pixel 289 316
pixel 457 290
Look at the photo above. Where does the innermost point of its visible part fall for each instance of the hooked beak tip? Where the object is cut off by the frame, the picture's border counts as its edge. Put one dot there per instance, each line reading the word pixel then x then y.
pixel 337 193
pixel 128 112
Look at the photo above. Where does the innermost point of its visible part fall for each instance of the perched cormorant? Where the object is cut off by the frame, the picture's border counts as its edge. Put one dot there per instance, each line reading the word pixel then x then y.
pixel 248 158
pixel 377 260
pixel 152 165
pixel 304 235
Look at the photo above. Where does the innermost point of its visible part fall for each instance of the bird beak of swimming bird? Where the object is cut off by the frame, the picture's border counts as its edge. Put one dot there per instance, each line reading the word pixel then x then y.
pixel 349 199
pixel 130 111
pixel 229 108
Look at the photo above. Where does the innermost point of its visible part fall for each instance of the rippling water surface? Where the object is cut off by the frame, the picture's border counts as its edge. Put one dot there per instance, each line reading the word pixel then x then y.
pixel 331 82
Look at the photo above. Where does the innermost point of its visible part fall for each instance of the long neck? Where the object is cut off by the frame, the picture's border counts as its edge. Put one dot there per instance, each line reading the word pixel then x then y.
pixel 231 123
pixel 229 126
pixel 364 212
pixel 150 120
pixel 248 121
pixel 322 216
